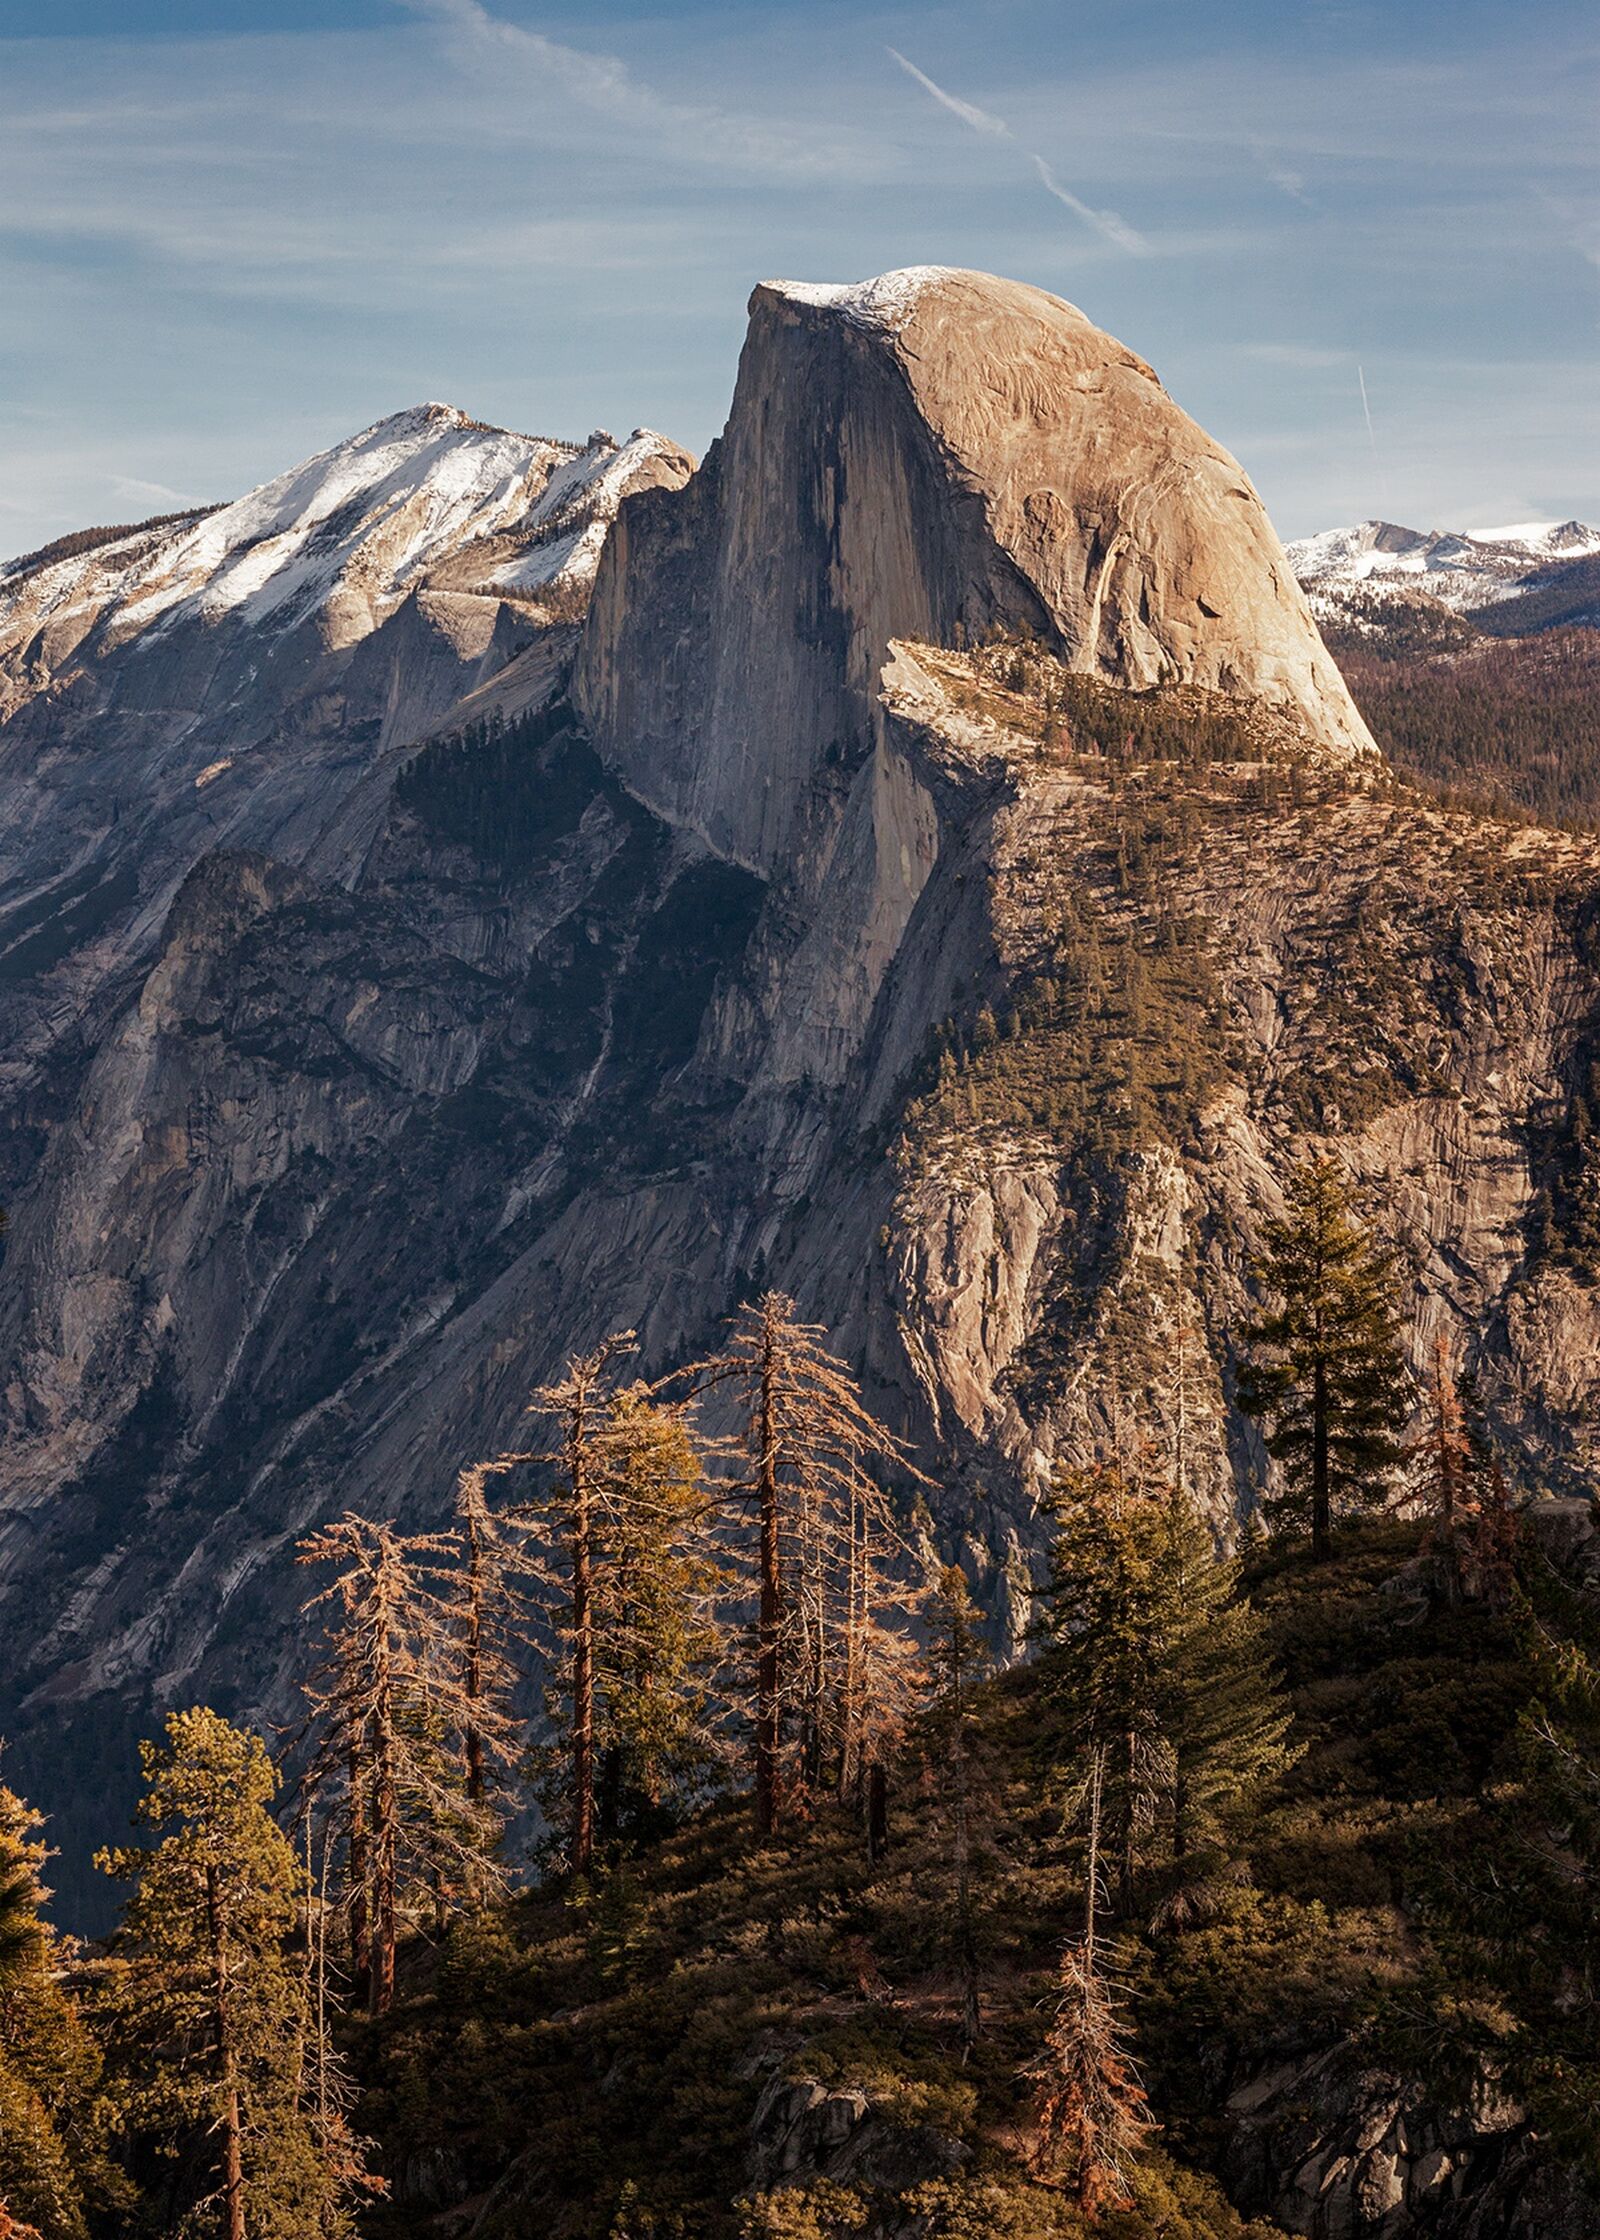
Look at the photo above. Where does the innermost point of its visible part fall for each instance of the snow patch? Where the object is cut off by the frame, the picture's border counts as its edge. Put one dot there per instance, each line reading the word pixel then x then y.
pixel 886 303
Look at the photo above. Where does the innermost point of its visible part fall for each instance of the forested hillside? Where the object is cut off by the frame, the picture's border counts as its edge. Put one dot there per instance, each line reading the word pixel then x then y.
pixel 1264 1890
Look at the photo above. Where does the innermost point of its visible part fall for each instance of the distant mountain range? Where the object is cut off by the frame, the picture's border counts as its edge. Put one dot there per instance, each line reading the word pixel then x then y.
pixel 1540 572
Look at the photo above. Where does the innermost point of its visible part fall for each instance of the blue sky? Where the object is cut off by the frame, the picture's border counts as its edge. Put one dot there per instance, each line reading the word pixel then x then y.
pixel 232 231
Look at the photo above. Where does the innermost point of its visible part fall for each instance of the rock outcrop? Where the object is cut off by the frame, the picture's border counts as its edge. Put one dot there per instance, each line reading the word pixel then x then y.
pixel 948 454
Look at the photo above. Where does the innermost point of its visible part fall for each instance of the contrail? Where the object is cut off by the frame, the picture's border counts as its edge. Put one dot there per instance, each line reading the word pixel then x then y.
pixel 1115 230
pixel 1366 410
pixel 1105 222
pixel 969 113
pixel 1377 463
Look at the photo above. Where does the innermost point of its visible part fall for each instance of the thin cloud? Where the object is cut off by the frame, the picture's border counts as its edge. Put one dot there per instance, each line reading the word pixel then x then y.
pixel 981 120
pixel 129 486
pixel 1105 222
pixel 605 86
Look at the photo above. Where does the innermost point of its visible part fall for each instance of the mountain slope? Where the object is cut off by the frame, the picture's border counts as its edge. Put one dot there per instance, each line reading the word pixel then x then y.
pixel 1463 570
pixel 975 992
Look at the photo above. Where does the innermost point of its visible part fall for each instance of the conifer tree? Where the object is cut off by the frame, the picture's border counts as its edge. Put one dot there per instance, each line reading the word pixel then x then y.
pixel 1090 2106
pixel 1106 1616
pixel 810 1438
pixel 1224 1712
pixel 206 2008
pixel 881 1677
pixel 571 1519
pixel 52 2157
pixel 656 1595
pixel 1156 1661
pixel 490 1599
pixel 1324 1368
pixel 1515 1911
pixel 389 1707
pixel 958 1658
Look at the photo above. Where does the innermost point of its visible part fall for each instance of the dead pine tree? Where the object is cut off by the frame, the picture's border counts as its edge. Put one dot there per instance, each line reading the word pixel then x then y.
pixel 578 1405
pixel 386 1705
pixel 490 1596
pixel 810 1440
pixel 1089 2104
pixel 881 1675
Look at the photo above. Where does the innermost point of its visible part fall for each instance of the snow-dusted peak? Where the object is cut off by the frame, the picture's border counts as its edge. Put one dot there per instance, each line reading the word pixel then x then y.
pixel 887 302
pixel 346 535
pixel 1461 568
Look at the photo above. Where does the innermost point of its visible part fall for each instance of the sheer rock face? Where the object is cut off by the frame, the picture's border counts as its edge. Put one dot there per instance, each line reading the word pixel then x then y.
pixel 947 453
pixel 340 1108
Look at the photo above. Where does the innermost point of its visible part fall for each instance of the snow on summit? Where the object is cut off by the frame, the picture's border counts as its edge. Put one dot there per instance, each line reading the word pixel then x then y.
pixel 1461 568
pixel 347 534
pixel 886 302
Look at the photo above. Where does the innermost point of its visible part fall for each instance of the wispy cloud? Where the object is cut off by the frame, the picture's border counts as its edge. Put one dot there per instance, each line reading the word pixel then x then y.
pixel 1104 222
pixel 605 86
pixel 129 487
pixel 981 120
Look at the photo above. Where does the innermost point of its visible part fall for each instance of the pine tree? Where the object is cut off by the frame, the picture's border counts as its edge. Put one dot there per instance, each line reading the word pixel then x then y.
pixel 489 1596
pixel 571 1519
pixel 390 1708
pixel 49 2140
pixel 657 1636
pixel 1090 2106
pixel 1106 1617
pixel 1156 1662
pixel 206 2008
pixel 809 1437
pixel 958 1659
pixel 881 1677
pixel 1512 1904
pixel 1224 1713
pixel 1324 1368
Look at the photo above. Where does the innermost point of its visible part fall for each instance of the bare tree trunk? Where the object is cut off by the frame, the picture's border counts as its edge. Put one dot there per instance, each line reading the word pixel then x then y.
pixel 477 1781
pixel 581 1849
pixel 360 1921
pixel 769 1786
pixel 1321 1504
pixel 385 1837
pixel 227 2068
pixel 877 1812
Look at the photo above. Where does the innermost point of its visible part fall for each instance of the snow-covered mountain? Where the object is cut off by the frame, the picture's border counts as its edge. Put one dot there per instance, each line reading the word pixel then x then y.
pixel 425 500
pixel 1463 570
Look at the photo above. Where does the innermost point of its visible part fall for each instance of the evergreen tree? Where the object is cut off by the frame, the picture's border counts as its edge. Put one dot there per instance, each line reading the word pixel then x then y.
pixel 1225 1715
pixel 1324 1368
pixel 54 2165
pixel 1157 1663
pixel 1514 1904
pixel 206 2011
pixel 1107 1616
pixel 656 1595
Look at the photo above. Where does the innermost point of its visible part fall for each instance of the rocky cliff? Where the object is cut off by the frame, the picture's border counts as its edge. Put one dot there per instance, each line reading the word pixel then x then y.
pixel 948 879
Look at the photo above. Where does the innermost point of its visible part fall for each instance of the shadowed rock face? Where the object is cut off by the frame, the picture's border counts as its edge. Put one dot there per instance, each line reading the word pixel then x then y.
pixel 334 1124
pixel 948 454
